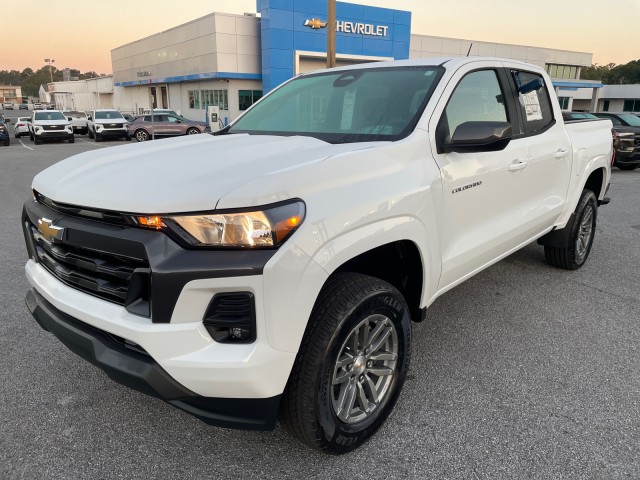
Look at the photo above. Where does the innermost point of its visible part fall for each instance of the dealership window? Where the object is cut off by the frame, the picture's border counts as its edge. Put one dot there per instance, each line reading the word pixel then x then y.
pixel 631 106
pixel 246 98
pixel 194 99
pixel 218 98
pixel 570 72
pixel 605 106
pixel 564 103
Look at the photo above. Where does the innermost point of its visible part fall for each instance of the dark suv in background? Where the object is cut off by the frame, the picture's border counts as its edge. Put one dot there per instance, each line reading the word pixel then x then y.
pixel 625 123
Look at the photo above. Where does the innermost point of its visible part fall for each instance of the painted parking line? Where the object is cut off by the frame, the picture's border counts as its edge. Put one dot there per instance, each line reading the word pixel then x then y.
pixel 90 143
pixel 28 148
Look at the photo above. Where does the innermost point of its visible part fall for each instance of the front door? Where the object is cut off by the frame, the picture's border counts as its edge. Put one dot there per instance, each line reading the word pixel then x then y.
pixel 482 200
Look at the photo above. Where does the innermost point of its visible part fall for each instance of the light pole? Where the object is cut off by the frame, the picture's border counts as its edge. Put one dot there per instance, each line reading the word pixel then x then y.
pixel 49 61
pixel 331 34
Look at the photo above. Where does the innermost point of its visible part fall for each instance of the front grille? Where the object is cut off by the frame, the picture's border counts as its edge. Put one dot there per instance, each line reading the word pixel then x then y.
pixel 53 127
pixel 100 215
pixel 105 275
pixel 113 125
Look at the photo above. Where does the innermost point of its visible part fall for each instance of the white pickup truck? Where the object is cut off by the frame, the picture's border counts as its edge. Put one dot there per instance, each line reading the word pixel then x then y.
pixel 273 269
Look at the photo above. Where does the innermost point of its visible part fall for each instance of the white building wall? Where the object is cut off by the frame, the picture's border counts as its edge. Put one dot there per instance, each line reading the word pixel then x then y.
pixel 426 46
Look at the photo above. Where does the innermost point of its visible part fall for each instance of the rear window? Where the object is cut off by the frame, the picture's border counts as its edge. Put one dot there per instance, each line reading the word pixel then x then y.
pixel 109 116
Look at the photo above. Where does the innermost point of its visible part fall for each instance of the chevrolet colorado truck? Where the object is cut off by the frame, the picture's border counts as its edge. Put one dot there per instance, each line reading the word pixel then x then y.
pixel 273 269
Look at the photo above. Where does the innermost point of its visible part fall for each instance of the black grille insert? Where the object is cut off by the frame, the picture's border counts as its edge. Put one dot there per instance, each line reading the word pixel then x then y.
pixel 105 275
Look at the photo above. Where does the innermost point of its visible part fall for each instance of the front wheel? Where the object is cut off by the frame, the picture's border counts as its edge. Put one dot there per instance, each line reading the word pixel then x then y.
pixel 351 365
pixel 583 230
pixel 193 131
pixel 141 135
pixel 90 133
pixel 71 140
pixel 37 140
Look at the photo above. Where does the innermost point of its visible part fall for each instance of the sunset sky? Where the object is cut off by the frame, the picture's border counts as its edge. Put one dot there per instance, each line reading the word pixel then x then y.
pixel 78 34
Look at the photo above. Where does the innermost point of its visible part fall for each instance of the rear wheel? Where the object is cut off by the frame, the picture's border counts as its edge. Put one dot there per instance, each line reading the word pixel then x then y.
pixel 583 230
pixel 351 365
pixel 193 131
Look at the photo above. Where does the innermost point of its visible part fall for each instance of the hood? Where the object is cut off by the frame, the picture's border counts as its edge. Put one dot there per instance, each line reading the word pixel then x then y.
pixel 183 174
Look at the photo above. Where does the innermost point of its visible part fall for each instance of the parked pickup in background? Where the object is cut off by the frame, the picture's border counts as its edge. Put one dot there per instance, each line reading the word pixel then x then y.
pixel 79 121
pixel 274 268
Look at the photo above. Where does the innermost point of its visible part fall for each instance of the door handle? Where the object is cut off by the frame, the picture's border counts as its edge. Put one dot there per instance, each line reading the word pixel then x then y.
pixel 561 153
pixel 517 165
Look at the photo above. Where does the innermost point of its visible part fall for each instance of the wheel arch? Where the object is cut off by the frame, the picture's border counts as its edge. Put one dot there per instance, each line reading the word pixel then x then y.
pixel 398 263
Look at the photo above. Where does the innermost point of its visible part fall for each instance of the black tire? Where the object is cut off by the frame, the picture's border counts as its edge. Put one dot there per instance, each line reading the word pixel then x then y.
pixel 37 140
pixel 72 140
pixel 583 230
pixel 31 136
pixel 97 137
pixel 127 137
pixel 6 143
pixel 141 135
pixel 90 133
pixel 193 131
pixel 627 167
pixel 311 406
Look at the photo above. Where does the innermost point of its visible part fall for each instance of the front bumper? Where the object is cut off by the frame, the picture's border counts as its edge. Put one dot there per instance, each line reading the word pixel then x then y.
pixel 628 158
pixel 112 133
pixel 132 366
pixel 182 285
pixel 53 135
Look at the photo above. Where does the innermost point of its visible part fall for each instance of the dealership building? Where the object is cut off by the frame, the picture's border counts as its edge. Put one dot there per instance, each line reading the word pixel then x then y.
pixel 230 61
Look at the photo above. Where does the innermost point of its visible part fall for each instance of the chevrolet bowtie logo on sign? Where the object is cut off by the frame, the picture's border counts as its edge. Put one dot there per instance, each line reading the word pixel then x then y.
pixel 49 230
pixel 351 27
pixel 315 23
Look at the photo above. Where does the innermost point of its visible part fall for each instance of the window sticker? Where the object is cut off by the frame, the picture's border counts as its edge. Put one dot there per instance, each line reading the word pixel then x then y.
pixel 531 105
pixel 348 105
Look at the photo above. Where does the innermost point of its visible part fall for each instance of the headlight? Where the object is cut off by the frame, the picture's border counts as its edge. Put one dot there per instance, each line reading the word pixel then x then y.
pixel 267 227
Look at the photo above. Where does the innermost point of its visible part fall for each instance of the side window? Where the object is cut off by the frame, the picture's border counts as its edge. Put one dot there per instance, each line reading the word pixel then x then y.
pixel 477 98
pixel 537 113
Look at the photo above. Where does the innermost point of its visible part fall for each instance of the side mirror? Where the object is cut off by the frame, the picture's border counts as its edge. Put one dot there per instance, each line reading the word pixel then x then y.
pixel 89 118
pixel 69 118
pixel 479 137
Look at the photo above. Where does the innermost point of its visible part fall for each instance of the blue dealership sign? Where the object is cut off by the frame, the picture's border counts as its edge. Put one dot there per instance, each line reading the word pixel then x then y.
pixel 290 26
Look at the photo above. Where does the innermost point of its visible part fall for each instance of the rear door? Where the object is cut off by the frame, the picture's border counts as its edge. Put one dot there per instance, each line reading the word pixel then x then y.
pixel 549 161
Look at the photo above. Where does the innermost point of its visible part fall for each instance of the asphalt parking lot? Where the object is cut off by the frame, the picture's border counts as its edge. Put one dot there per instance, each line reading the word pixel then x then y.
pixel 524 371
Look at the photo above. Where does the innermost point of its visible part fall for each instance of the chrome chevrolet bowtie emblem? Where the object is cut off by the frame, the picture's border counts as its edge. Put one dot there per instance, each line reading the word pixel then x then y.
pixel 49 230
pixel 315 23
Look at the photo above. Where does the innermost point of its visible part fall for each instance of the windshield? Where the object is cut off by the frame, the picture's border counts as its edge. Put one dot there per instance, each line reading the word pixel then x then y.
pixel 49 116
pixel 632 120
pixel 357 105
pixel 109 116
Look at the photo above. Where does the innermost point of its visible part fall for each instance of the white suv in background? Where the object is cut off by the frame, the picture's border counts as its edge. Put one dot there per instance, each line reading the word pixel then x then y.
pixel 107 123
pixel 50 125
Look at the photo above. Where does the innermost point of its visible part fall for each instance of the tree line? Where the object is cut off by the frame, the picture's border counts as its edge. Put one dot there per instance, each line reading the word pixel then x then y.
pixel 612 74
pixel 30 80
